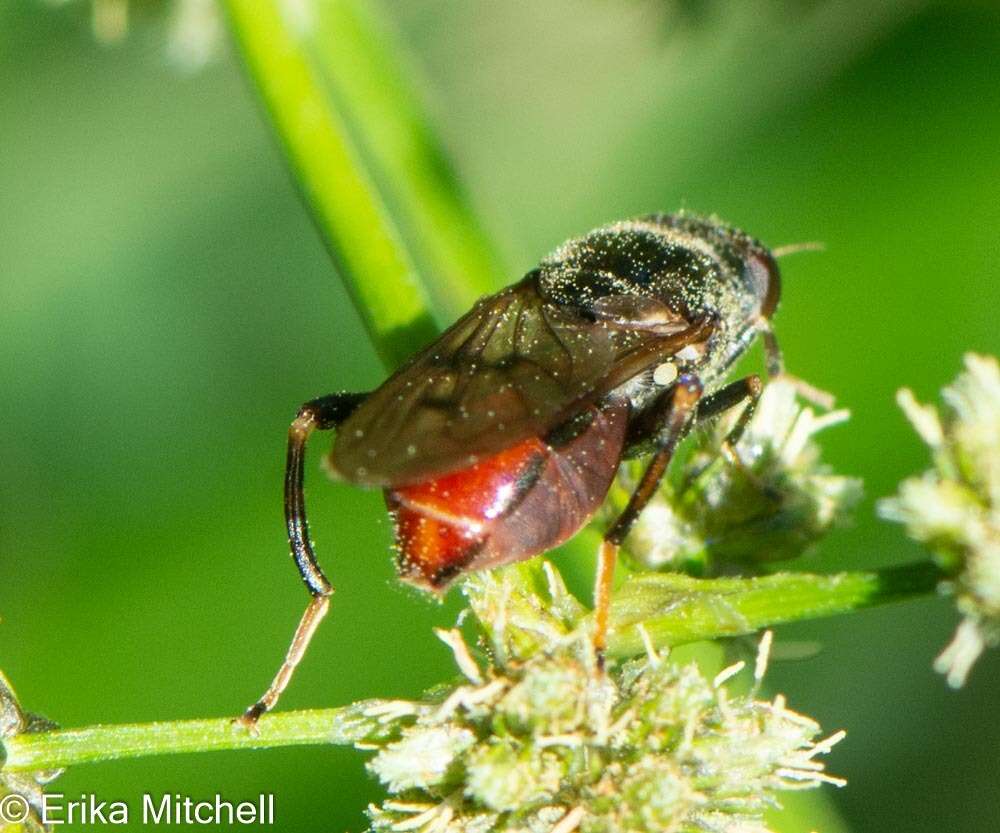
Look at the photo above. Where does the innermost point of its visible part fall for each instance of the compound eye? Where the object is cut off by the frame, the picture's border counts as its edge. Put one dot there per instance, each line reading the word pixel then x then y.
pixel 765 279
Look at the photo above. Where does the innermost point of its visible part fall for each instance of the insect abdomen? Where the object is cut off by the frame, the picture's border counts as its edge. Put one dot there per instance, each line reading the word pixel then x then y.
pixel 507 507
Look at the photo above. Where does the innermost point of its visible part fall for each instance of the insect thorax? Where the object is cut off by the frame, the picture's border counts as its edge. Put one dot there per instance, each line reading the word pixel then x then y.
pixel 695 267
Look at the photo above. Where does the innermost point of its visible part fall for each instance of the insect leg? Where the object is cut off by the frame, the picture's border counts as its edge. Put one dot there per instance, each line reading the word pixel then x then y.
pixel 678 416
pixel 746 390
pixel 323 413
pixel 776 367
pixel 774 361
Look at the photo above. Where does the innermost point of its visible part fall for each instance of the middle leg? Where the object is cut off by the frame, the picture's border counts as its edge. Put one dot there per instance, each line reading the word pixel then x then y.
pixel 679 412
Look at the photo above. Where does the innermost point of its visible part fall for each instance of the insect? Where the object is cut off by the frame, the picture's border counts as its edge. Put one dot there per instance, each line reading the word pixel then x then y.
pixel 500 439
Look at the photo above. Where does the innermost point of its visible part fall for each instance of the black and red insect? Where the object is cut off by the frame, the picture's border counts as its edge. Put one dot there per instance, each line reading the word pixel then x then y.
pixel 500 439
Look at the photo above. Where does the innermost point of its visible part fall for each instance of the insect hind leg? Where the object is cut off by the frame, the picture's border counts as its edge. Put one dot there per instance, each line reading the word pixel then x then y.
pixel 323 414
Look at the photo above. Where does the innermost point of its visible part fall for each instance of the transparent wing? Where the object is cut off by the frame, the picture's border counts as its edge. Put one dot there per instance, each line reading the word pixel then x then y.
pixel 515 366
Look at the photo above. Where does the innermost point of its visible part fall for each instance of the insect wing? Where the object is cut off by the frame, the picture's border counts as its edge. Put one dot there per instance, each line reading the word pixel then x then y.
pixel 514 367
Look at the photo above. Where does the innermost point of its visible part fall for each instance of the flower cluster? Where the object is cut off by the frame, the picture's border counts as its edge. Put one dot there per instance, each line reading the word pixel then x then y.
pixel 771 503
pixel 193 28
pixel 550 744
pixel 954 508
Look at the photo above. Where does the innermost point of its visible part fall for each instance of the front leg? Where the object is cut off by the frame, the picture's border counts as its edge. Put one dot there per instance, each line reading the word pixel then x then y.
pixel 324 413
pixel 747 389
pixel 776 367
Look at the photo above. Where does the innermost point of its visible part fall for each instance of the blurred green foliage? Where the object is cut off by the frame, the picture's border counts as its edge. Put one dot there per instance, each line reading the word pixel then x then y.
pixel 165 305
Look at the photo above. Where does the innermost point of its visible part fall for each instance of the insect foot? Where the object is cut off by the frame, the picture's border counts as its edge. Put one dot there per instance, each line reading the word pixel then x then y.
pixel 954 508
pixel 542 745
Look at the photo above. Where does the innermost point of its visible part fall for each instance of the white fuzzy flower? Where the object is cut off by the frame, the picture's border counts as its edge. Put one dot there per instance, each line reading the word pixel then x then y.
pixel 777 501
pixel 955 507
pixel 550 746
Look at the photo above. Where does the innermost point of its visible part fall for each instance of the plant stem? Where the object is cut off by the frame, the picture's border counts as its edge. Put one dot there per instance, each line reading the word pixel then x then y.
pixel 378 182
pixel 368 72
pixel 65 747
pixel 673 609
pixel 352 217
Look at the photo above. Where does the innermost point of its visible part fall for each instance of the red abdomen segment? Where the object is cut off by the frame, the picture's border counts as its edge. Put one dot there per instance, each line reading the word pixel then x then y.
pixel 509 506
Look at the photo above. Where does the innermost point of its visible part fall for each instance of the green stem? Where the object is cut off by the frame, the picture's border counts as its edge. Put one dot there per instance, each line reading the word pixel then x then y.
pixel 64 747
pixel 368 72
pixel 352 217
pixel 675 609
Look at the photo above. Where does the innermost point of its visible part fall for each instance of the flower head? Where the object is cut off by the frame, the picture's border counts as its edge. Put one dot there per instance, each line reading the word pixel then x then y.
pixel 772 504
pixel 954 508
pixel 547 744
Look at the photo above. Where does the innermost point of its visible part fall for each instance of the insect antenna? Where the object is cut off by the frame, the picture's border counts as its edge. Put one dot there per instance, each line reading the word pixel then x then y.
pixel 795 248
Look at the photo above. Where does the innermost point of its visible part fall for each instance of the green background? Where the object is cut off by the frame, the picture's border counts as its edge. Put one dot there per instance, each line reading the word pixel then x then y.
pixel 165 305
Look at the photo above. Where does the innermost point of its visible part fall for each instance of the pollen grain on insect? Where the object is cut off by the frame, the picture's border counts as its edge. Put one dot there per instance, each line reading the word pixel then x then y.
pixel 665 374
